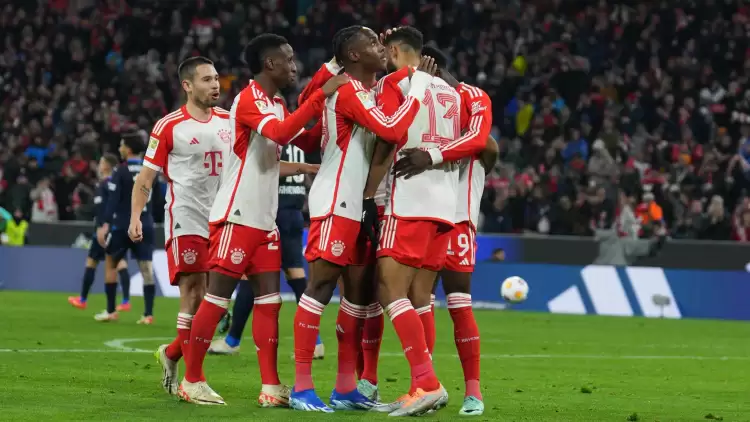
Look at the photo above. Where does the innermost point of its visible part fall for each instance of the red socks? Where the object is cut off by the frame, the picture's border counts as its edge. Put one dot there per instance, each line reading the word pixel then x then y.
pixel 428 322
pixel 466 334
pixel 372 335
pixel 306 328
pixel 266 336
pixel 411 333
pixel 349 334
pixel 209 314
pixel 176 349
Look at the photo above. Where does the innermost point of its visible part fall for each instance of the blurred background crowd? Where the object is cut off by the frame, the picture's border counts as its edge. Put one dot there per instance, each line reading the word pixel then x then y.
pixel 634 114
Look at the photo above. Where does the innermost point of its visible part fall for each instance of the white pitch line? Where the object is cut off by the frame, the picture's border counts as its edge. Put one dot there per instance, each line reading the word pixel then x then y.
pixel 119 346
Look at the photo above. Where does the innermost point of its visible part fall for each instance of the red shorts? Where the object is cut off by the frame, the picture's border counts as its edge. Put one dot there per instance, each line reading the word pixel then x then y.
pixel 238 250
pixel 462 249
pixel 416 243
pixel 187 254
pixel 364 250
pixel 333 239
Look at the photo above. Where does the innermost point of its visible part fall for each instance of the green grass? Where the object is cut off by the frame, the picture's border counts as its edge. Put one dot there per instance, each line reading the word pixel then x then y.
pixel 562 368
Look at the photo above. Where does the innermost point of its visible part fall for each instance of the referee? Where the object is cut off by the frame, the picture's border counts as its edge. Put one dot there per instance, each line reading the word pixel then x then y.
pixel 291 224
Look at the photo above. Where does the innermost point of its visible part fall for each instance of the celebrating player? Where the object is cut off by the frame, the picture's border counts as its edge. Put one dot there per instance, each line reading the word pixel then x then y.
pixel 243 236
pixel 187 146
pixel 478 152
pixel 107 165
pixel 335 204
pixel 290 222
pixel 113 233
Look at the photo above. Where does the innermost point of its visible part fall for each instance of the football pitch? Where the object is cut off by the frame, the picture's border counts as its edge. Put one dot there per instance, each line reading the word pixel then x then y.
pixel 57 363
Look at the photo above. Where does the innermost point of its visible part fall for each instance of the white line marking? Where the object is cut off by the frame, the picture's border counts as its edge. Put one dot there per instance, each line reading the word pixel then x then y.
pixel 119 346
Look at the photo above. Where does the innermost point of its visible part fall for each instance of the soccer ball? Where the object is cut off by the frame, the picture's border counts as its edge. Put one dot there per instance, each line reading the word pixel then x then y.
pixel 514 289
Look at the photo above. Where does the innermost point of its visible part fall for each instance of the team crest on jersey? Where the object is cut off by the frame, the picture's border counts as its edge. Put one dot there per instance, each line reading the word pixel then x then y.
pixel 477 107
pixel 366 99
pixel 224 135
pixel 337 247
pixel 262 106
pixel 237 255
pixel 189 256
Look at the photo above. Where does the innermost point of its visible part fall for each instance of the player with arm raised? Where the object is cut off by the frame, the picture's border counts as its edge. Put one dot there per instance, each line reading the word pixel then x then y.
pixel 351 121
pixel 186 145
pixel 113 232
pixel 243 239
pixel 477 153
pixel 107 164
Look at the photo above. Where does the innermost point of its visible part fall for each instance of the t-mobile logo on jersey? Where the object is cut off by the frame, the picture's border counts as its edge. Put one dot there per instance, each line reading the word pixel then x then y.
pixel 212 160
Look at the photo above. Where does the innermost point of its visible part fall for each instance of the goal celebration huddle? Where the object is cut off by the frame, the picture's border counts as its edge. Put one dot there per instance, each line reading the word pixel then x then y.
pixel 393 206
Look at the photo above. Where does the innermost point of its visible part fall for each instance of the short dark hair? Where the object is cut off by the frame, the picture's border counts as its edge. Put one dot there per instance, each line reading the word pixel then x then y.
pixel 111 159
pixel 441 60
pixel 256 50
pixel 186 70
pixel 134 141
pixel 407 35
pixel 341 41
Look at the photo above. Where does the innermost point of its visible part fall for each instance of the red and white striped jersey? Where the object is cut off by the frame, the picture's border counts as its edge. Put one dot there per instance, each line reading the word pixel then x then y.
pixel 190 153
pixel 430 195
pixel 260 126
pixel 351 121
pixel 476 123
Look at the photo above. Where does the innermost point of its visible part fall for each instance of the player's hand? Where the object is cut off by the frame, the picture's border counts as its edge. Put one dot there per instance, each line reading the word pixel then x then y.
pixel 412 162
pixel 385 35
pixel 333 84
pixel 101 235
pixel 370 219
pixel 308 168
pixel 427 64
pixel 135 231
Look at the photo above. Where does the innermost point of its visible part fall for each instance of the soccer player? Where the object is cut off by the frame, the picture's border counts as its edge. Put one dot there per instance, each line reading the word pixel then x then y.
pixel 350 123
pixel 477 153
pixel 243 239
pixel 291 224
pixel 361 269
pixel 113 233
pixel 187 145
pixel 107 165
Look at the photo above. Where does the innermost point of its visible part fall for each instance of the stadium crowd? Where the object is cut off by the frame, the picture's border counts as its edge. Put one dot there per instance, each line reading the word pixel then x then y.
pixel 603 112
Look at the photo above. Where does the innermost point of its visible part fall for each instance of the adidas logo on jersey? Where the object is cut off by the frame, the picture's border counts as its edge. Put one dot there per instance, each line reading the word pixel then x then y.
pixel 194 142
pixel 337 247
pixel 465 261
pixel 189 256
pixel 237 256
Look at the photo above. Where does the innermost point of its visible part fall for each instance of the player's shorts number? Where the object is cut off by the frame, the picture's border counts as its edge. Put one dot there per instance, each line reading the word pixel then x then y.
pixel 463 242
pixel 273 245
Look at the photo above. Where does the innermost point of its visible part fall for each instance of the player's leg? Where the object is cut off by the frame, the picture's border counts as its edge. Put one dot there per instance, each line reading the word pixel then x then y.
pixel 114 252
pixel 292 261
pixel 329 246
pixel 401 252
pixel 231 247
pixel 265 280
pixel 124 276
pixel 95 255
pixel 456 279
pixel 241 310
pixel 421 298
pixel 187 264
pixel 143 253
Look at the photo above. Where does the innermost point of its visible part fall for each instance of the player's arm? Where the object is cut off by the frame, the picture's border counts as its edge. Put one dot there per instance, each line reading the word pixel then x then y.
pixel 100 201
pixel 358 107
pixel 382 157
pixel 308 140
pixel 323 75
pixel 284 131
pixel 474 139
pixel 159 147
pixel 488 156
pixel 114 190
pixel 292 169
